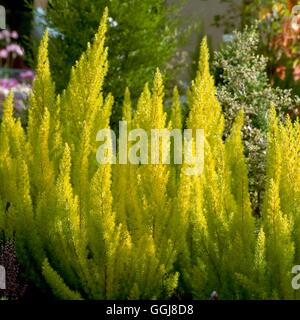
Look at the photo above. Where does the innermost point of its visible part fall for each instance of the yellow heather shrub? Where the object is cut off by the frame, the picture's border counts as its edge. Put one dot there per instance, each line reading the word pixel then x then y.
pixel 126 231
pixel 221 228
pixel 281 210
pixel 58 202
pixel 277 242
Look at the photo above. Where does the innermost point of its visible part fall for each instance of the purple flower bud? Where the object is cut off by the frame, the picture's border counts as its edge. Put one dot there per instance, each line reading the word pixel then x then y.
pixel 20 51
pixel 27 75
pixel 15 48
pixel 8 83
pixel 6 34
pixel 14 35
pixel 10 47
pixel 3 54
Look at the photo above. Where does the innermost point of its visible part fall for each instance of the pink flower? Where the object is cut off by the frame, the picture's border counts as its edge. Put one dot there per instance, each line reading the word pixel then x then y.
pixel 15 48
pixel 14 35
pixel 5 34
pixel 11 47
pixel 27 75
pixel 3 54
pixel 8 83
pixel 296 72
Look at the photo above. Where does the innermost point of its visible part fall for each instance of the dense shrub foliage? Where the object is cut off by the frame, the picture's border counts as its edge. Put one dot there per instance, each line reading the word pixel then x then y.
pixel 142 35
pixel 243 84
pixel 91 231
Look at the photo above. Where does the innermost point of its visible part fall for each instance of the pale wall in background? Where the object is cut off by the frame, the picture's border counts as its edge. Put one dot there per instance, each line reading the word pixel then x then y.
pixel 204 12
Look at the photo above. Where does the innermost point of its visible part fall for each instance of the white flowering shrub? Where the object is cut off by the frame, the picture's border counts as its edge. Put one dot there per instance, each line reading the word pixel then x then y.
pixel 243 83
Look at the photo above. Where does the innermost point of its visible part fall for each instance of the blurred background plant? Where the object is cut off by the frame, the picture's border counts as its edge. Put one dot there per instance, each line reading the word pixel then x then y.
pixel 142 36
pixel 10 51
pixel 13 75
pixel 241 74
pixel 278 36
pixel 260 64
pixel 19 17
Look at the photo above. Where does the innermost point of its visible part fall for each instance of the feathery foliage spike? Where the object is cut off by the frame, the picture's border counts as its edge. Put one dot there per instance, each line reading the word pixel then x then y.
pixel 58 285
pixel 139 231
pixel 176 112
